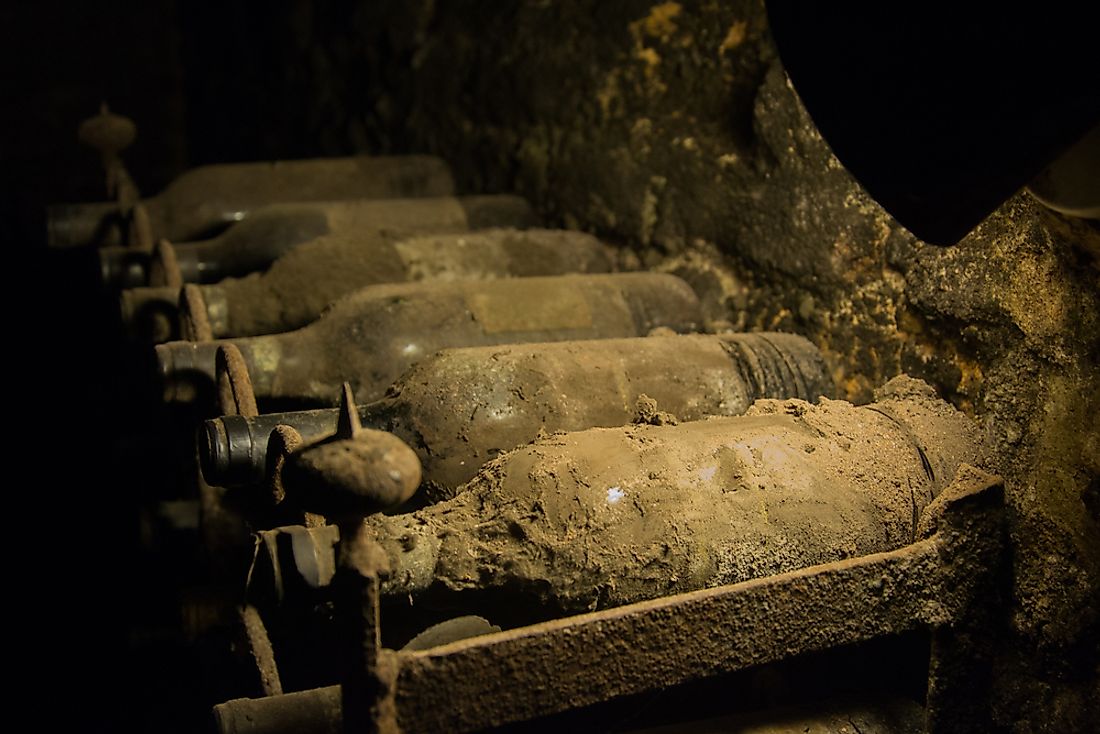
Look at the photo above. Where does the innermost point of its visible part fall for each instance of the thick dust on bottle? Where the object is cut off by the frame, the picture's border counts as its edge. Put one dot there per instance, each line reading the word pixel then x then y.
pixel 599 518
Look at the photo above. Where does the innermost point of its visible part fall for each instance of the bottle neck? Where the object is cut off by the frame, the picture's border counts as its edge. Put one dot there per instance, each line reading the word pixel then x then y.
pixel 150 315
pixel 277 360
pixel 295 557
pixel 188 369
pixel 217 310
pixel 80 225
pixel 123 267
pixel 189 261
pixel 233 451
pixel 253 243
pixel 414 548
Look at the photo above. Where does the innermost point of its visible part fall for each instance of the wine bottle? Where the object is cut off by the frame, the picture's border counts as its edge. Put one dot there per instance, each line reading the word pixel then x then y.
pixel 370 337
pixel 205 199
pixel 608 516
pixel 302 283
pixel 275 229
pixel 462 407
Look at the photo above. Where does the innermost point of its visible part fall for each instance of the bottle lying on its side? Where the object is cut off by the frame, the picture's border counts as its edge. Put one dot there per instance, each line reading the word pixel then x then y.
pixel 462 407
pixel 370 337
pixel 276 229
pixel 205 199
pixel 609 516
pixel 302 283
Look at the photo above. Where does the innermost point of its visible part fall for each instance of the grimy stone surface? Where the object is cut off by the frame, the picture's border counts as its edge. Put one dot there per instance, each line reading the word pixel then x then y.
pixel 670 129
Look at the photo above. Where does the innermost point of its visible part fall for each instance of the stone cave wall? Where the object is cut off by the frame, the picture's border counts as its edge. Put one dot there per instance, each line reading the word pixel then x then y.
pixel 670 129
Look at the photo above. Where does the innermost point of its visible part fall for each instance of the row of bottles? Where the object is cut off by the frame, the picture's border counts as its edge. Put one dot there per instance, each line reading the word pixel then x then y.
pixel 546 436
pixel 300 284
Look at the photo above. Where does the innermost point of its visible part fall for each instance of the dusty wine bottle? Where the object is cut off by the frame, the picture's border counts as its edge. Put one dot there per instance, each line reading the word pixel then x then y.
pixel 201 201
pixel 275 229
pixel 462 407
pixel 370 337
pixel 302 283
pixel 582 521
